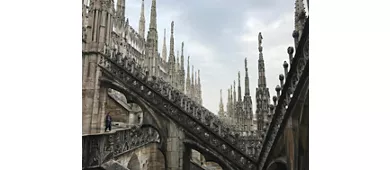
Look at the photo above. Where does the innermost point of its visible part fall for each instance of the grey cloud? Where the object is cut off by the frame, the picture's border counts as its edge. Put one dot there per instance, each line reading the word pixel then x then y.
pixel 216 27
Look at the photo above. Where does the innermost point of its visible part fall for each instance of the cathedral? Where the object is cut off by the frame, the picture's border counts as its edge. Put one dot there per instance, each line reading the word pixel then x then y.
pixel 154 102
pixel 130 45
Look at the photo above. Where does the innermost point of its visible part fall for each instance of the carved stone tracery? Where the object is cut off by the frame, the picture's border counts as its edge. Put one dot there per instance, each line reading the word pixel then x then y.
pixel 103 147
pixel 172 102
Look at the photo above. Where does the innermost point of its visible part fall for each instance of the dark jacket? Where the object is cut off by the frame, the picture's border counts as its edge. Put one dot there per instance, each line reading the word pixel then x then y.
pixel 108 119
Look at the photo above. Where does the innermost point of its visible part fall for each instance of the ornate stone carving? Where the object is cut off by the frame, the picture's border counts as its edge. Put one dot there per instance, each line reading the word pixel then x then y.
pixel 115 144
pixel 181 109
pixel 297 69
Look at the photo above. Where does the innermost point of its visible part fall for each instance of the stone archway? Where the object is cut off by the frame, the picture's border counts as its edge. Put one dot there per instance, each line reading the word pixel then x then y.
pixel 207 154
pixel 124 114
pixel 147 116
pixel 149 157
pixel 134 163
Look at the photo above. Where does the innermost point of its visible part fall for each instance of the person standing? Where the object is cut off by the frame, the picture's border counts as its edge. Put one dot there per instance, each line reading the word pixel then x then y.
pixel 108 122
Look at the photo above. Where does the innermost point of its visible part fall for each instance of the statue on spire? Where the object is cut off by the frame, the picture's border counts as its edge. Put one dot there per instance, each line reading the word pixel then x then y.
pixel 172 25
pixel 246 64
pixel 260 39
pixel 182 47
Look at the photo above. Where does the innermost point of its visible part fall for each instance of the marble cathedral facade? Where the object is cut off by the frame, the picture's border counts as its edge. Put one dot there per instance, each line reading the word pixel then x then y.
pixel 121 38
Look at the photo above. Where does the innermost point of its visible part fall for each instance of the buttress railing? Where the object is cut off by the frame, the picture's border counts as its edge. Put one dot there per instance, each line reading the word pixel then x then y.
pixel 190 115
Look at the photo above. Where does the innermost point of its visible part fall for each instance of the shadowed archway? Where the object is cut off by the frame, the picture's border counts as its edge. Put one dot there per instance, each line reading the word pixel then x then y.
pixel 278 164
pixel 134 163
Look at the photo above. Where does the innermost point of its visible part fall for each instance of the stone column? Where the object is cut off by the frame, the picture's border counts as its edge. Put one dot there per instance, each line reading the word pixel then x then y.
pixel 94 96
pixel 98 39
pixel 291 139
pixel 187 158
pixel 175 148
pixel 156 159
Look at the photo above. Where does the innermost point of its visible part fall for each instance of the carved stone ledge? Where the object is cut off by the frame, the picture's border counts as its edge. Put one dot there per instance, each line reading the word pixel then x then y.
pixel 99 148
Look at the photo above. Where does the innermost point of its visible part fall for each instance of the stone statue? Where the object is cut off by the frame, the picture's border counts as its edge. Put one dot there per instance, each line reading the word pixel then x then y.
pixel 260 39
pixel 172 25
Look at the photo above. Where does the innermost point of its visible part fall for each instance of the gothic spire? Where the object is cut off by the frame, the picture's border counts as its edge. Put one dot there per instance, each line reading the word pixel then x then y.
pixel 221 111
pixel 120 10
pixel 171 60
pixel 164 50
pixel 178 62
pixel 153 16
pixel 192 77
pixel 262 92
pixel 247 93
pixel 229 103
pixel 172 43
pixel 177 68
pixel 196 86
pixel 182 56
pixel 239 88
pixel 151 50
pixel 234 93
pixel 141 28
pixel 199 88
pixel 231 98
pixel 188 82
pixel 247 104
pixel 192 83
pixel 261 79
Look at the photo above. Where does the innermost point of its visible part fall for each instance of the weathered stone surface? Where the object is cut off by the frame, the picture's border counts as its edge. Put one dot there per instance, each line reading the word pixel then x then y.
pixel 100 148
pixel 117 56
pixel 113 165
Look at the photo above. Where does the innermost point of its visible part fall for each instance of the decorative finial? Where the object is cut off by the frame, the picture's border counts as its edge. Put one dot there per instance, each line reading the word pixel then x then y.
pixel 274 98
pixel 290 50
pixel 285 66
pixel 281 78
pixel 295 34
pixel 278 88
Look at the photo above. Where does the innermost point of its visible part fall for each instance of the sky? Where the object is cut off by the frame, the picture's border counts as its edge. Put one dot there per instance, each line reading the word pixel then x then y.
pixel 219 34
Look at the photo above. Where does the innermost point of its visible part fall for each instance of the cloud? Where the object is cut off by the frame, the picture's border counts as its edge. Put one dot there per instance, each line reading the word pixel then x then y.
pixel 219 34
